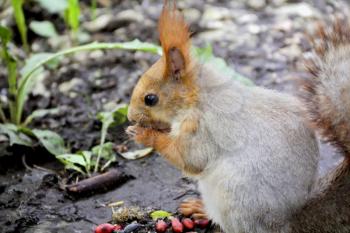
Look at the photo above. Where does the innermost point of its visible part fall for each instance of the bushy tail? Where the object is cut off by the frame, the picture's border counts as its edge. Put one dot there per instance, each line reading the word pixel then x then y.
pixel 327 94
pixel 327 100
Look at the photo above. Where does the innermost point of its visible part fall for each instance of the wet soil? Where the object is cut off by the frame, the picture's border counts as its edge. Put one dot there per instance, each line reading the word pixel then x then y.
pixel 265 44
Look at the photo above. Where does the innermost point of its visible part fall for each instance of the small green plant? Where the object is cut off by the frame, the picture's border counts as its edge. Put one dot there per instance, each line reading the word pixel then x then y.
pixel 88 162
pixel 21 22
pixel 71 17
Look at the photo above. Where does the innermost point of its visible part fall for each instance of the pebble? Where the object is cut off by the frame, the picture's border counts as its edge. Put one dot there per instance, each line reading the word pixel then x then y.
pixel 191 15
pixel 40 88
pixel 301 9
pixel 292 51
pixel 99 23
pixel 213 35
pixel 214 13
pixel 96 54
pixel 256 4
pixel 66 87
pixel 130 16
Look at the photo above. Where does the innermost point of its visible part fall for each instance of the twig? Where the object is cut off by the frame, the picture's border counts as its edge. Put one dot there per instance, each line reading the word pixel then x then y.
pixel 25 163
pixel 99 183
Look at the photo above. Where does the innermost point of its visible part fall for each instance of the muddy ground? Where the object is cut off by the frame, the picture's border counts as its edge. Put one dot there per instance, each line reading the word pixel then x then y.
pixel 262 41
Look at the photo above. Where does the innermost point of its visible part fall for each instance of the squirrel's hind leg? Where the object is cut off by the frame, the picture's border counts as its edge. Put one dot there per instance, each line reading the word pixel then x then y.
pixel 193 208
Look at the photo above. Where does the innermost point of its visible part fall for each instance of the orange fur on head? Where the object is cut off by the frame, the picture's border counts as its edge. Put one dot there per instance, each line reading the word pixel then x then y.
pixel 174 33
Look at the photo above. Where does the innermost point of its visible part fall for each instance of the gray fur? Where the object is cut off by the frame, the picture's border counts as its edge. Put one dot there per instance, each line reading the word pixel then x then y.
pixel 258 159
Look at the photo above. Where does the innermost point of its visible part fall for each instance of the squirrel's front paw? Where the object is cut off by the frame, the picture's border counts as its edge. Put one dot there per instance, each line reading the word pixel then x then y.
pixel 193 208
pixel 141 135
pixel 131 131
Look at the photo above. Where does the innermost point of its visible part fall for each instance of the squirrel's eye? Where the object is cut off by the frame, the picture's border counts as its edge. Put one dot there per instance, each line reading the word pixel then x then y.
pixel 151 100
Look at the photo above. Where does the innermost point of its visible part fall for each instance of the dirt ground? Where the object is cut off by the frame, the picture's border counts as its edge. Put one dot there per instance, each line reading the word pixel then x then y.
pixel 262 41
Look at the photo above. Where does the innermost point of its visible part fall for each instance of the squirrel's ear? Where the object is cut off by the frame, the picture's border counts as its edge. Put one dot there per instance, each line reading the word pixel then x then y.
pixel 175 39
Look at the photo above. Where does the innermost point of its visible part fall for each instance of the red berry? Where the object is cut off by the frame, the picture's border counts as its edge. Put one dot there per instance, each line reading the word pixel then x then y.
pixel 202 223
pixel 188 223
pixel 104 228
pixel 117 227
pixel 161 226
pixel 176 225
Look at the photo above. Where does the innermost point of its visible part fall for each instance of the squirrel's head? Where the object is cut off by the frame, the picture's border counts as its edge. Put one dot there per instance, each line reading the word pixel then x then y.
pixel 168 87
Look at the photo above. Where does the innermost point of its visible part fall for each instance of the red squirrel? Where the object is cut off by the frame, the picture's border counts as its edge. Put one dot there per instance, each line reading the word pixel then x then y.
pixel 252 150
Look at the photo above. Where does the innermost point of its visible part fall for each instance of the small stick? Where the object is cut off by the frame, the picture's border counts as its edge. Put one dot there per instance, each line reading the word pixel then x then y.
pixel 24 162
pixel 99 183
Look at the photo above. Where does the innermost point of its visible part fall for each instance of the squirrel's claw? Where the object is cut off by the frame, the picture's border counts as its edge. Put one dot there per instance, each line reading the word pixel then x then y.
pixel 131 131
pixel 194 208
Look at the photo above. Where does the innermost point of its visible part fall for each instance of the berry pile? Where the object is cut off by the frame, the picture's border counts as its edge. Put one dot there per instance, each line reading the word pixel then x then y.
pixel 171 224
pixel 186 225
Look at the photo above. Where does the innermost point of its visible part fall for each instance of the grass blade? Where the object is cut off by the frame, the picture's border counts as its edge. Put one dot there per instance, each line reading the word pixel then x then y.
pixel 21 22
pixel 71 17
pixel 11 64
pixel 93 9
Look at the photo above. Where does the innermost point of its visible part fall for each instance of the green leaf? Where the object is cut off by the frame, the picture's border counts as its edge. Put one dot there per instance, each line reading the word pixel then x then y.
pixel 40 113
pixel 56 6
pixel 69 165
pixel 107 151
pixel 51 141
pixel 87 155
pixel 20 21
pixel 72 158
pixel 15 137
pixel 116 117
pixel 5 35
pixel 205 55
pixel 137 154
pixel 160 214
pixel 43 28
pixel 76 161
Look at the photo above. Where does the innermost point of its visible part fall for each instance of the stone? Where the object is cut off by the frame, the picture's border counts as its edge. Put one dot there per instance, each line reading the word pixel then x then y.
pixel 191 15
pixel 212 13
pixel 256 4
pixel 301 9
pixel 99 23
pixel 130 16
pixel 66 87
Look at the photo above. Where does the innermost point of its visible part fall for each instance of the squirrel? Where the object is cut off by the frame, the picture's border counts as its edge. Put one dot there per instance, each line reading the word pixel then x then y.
pixel 253 151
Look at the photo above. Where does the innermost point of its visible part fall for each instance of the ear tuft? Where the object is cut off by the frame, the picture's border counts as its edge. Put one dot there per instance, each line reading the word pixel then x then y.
pixel 175 39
